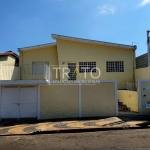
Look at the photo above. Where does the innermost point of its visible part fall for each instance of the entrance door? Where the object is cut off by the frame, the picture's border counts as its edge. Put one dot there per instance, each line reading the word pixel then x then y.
pixel 72 74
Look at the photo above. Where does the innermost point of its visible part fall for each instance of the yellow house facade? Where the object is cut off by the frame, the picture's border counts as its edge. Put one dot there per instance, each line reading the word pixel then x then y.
pixel 106 66
pixel 114 61
pixel 37 54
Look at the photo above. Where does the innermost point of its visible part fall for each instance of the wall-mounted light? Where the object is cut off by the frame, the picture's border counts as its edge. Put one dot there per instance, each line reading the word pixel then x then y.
pixel 63 62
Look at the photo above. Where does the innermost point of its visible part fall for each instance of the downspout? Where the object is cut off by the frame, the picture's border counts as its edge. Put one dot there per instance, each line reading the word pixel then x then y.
pixel 148 51
pixel 134 66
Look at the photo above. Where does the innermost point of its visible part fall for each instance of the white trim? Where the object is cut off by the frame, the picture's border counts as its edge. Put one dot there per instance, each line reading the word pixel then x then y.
pixel 23 82
pixel 43 82
pixel 79 81
pixel 116 97
pixel 36 47
pixel 80 100
pixel 19 88
pixel 139 96
pixel 144 80
pixel 55 36
pixel 0 102
pixel 38 103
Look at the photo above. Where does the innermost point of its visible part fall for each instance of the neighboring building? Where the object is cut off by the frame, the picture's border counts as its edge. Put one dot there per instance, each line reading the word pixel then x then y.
pixel 9 58
pixel 142 70
pixel 142 80
pixel 142 61
pixel 9 66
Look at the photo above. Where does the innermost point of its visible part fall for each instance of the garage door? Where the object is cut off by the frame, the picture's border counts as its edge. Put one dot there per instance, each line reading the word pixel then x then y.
pixel 10 101
pixel 19 102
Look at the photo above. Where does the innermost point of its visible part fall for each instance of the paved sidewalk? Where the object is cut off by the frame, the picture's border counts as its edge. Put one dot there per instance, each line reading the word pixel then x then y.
pixel 77 125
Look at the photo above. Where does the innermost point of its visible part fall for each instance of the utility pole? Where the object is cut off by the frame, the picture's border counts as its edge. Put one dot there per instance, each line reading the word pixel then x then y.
pixel 148 46
pixel 148 51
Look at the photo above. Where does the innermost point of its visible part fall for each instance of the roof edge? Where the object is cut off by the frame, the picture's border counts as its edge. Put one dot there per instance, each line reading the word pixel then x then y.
pixel 36 47
pixel 11 53
pixel 56 36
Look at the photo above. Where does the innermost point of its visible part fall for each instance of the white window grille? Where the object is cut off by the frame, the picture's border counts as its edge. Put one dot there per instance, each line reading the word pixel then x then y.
pixel 89 65
pixel 115 66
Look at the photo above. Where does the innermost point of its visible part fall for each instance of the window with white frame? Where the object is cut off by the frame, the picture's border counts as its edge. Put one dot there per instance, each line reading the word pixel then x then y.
pixel 87 67
pixel 115 66
pixel 39 68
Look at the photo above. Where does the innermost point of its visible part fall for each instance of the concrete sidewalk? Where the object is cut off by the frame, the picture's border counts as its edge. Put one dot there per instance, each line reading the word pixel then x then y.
pixel 77 125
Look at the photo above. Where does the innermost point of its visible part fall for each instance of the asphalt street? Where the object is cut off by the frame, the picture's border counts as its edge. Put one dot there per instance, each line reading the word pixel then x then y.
pixel 114 139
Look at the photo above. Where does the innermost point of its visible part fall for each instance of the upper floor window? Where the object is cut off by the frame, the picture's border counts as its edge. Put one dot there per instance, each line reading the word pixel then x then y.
pixel 39 68
pixel 115 66
pixel 87 67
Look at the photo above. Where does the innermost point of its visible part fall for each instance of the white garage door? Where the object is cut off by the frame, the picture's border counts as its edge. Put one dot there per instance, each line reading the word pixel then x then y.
pixel 28 102
pixel 10 101
pixel 19 102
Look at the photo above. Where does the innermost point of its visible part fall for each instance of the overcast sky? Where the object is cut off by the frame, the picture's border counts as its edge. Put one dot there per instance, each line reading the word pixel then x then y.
pixel 31 22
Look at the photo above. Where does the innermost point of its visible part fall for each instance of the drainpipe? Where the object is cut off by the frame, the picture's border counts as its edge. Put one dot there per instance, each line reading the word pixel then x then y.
pixel 134 67
pixel 148 51
pixel 134 63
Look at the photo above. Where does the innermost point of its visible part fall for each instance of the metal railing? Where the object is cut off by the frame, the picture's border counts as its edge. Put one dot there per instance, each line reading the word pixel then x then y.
pixel 9 72
pixel 131 86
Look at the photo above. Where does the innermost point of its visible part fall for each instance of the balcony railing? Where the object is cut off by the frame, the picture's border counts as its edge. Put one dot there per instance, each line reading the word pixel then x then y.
pixel 28 72
pixel 25 72
pixel 9 72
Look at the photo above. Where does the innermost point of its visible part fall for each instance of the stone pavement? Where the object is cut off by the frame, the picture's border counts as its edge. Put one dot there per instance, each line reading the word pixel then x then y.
pixel 76 125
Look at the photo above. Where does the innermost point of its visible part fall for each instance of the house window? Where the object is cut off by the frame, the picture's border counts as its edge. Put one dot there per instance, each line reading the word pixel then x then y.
pixel 38 68
pixel 91 67
pixel 72 74
pixel 115 66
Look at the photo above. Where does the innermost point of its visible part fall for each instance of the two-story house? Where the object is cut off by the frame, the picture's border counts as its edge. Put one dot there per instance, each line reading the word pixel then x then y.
pixel 68 59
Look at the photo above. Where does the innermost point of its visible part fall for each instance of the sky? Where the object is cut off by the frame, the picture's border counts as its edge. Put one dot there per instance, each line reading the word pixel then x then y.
pixel 31 22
